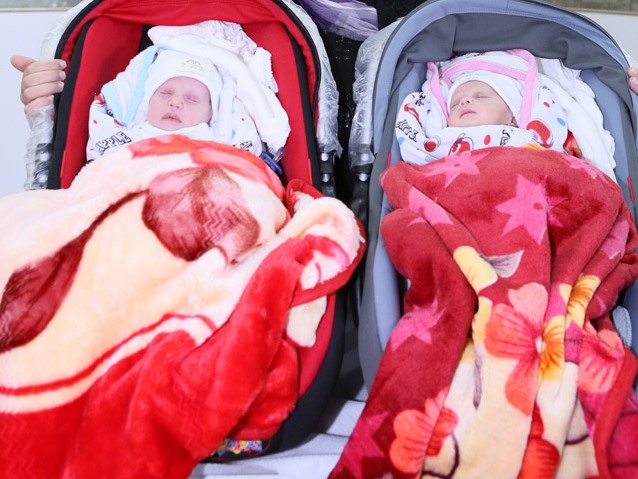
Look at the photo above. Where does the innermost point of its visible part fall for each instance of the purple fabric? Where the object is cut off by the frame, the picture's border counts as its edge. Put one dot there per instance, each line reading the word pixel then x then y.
pixel 349 18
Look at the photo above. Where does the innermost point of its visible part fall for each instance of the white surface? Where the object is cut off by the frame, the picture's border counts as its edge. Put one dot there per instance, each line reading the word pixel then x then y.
pixel 20 33
pixel 624 29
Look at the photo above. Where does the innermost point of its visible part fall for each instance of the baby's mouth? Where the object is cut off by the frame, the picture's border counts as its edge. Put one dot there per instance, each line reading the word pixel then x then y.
pixel 172 118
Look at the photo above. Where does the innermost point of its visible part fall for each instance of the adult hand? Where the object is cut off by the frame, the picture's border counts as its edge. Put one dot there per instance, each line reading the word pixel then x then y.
pixel 41 79
pixel 633 78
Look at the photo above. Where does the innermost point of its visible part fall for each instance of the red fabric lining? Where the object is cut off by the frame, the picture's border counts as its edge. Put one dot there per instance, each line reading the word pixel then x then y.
pixel 93 73
pixel 273 37
pixel 121 23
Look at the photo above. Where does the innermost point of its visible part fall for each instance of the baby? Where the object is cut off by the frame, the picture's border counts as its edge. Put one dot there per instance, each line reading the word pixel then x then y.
pixel 246 111
pixel 180 94
pixel 180 102
pixel 476 101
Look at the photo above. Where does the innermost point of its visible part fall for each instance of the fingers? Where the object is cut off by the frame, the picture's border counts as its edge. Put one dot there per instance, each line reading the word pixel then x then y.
pixel 40 95
pixel 41 66
pixel 20 62
pixel 41 79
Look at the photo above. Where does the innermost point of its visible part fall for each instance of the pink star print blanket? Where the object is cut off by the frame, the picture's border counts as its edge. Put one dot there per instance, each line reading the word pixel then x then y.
pixel 505 363
pixel 158 306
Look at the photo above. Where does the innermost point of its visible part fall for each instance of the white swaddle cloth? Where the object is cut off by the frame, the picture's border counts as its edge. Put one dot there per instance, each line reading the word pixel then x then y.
pixel 243 65
pixel 541 120
pixel 118 115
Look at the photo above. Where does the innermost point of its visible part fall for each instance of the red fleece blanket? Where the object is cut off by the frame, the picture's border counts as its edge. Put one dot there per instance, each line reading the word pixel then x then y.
pixel 505 363
pixel 157 307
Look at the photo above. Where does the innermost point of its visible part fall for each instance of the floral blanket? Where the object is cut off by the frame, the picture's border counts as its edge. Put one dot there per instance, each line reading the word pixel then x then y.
pixel 505 363
pixel 158 306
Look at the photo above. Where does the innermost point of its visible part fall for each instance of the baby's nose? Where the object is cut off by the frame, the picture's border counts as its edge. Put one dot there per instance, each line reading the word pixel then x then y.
pixel 175 101
pixel 466 100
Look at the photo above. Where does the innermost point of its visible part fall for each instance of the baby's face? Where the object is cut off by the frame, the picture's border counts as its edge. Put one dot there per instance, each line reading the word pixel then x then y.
pixel 179 102
pixel 476 103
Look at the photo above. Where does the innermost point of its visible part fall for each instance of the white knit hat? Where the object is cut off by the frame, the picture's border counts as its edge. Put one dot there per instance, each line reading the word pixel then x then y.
pixel 171 63
pixel 512 74
pixel 509 89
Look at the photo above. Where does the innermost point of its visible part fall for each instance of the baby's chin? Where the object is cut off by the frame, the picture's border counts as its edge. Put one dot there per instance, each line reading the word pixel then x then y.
pixel 172 124
pixel 171 127
pixel 466 120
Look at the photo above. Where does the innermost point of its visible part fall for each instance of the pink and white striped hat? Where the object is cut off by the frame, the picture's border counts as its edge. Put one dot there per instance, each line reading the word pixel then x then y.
pixel 514 75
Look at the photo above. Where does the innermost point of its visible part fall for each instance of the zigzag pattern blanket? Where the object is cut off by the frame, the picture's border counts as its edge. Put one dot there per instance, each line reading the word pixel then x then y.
pixel 505 363
pixel 157 307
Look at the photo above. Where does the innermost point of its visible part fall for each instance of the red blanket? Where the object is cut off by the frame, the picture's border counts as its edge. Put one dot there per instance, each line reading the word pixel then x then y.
pixel 157 307
pixel 505 363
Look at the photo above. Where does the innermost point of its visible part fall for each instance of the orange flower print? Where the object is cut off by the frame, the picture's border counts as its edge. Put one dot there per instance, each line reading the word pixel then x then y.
pixel 421 433
pixel 445 425
pixel 601 356
pixel 552 355
pixel 413 430
pixel 478 271
pixel 582 293
pixel 541 456
pixel 483 313
pixel 517 332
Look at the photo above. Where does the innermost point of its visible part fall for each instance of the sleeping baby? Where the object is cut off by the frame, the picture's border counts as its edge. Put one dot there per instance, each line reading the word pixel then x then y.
pixel 476 101
pixel 180 94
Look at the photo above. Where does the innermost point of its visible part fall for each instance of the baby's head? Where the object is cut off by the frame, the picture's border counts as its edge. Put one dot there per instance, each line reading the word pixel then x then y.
pixel 481 97
pixel 182 91
pixel 476 103
pixel 178 103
